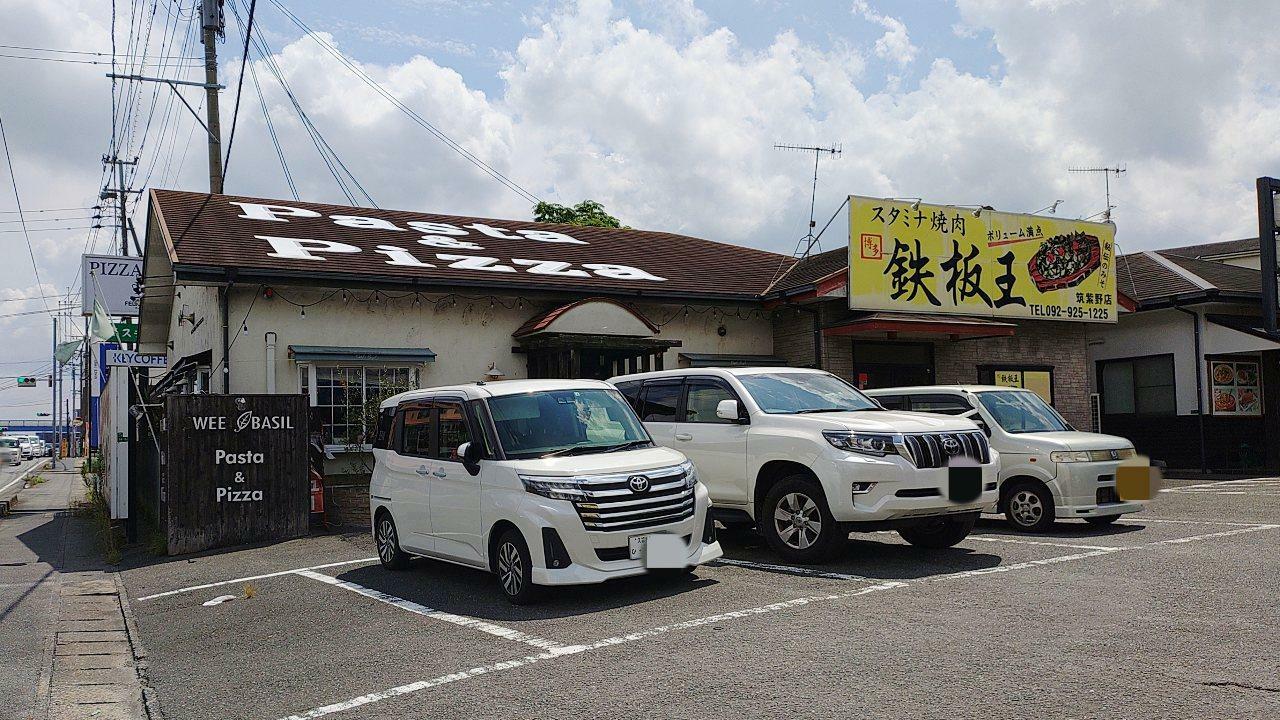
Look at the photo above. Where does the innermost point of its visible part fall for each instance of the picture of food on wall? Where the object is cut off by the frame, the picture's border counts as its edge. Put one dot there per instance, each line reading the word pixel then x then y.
pixel 1223 374
pixel 1246 374
pixel 1065 261
pixel 1224 400
pixel 1247 400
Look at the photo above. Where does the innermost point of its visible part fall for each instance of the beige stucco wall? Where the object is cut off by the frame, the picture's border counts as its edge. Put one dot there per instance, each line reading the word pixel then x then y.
pixel 205 333
pixel 466 334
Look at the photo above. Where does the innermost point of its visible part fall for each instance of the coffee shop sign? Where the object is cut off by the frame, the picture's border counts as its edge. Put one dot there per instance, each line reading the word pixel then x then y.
pixel 438 236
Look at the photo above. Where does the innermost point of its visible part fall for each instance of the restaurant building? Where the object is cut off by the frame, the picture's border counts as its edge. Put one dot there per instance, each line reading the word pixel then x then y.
pixel 345 305
pixel 1193 376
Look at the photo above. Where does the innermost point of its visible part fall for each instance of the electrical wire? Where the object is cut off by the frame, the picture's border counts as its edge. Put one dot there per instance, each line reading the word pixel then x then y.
pixel 244 60
pixel 17 198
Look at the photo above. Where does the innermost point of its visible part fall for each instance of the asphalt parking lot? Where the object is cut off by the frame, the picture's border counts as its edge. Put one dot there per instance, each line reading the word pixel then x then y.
pixel 1169 614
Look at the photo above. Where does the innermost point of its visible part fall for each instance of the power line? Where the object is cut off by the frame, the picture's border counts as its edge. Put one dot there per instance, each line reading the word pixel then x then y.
pixel 421 121
pixel 71 60
pixel 48 229
pixel 244 60
pixel 96 54
pixel 18 199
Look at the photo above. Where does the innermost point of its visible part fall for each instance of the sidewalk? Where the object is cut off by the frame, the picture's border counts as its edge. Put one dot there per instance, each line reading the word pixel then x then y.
pixel 65 624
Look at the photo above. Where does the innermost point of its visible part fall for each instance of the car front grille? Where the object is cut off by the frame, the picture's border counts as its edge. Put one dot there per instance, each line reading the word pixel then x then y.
pixel 928 450
pixel 612 506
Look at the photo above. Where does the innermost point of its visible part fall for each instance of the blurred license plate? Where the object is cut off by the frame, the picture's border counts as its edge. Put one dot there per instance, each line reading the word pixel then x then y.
pixel 657 551
pixel 1133 482
pixel 964 483
pixel 636 545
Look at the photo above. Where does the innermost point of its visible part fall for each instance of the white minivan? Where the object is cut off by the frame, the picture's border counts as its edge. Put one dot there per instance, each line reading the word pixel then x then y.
pixel 542 482
pixel 1048 469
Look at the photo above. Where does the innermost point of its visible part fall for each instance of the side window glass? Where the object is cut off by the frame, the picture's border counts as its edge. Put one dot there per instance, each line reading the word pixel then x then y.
pixel 892 402
pixel 660 401
pixel 631 391
pixel 701 401
pixel 452 424
pixel 415 430
pixel 382 436
pixel 942 404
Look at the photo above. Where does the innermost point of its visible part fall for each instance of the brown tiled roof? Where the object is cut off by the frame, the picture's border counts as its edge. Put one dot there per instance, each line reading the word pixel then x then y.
pixel 1230 278
pixel 1146 279
pixel 205 236
pixel 810 270
pixel 1214 249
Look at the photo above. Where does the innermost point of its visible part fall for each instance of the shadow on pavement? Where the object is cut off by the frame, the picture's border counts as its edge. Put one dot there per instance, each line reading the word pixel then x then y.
pixel 465 591
pixel 1060 530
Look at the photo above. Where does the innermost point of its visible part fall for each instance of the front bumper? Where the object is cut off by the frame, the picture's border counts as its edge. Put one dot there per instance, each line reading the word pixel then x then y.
pixel 901 491
pixel 585 548
pixel 1088 490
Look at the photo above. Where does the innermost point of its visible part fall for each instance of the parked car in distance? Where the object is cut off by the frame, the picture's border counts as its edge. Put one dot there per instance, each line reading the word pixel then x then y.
pixel 10 453
pixel 27 446
pixel 807 458
pixel 1048 469
pixel 541 482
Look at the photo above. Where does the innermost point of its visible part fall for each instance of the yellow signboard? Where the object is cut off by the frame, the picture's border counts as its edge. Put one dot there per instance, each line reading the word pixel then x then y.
pixel 915 257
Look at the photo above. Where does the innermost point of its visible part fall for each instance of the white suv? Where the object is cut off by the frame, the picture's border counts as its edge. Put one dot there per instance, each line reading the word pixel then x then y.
pixel 543 482
pixel 1047 468
pixel 807 458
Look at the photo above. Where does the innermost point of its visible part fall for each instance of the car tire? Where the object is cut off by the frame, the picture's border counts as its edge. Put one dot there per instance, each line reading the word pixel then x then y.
pixel 1029 507
pixel 514 568
pixel 1101 520
pixel 797 523
pixel 940 533
pixel 387 539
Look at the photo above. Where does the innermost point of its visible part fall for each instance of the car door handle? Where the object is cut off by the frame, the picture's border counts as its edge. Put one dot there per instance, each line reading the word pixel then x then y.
pixel 439 472
pixel 683 436
pixel 422 470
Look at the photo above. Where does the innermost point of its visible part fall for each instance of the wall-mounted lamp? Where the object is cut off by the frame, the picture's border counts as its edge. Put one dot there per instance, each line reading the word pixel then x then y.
pixel 493 373
pixel 186 317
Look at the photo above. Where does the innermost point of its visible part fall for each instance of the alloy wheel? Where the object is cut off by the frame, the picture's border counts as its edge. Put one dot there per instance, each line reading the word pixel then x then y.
pixel 1027 508
pixel 510 569
pixel 797 520
pixel 386 540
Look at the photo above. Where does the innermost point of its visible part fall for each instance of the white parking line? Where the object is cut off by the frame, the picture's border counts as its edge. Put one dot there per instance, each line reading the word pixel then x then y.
pixel 574 650
pixel 462 620
pixel 249 578
pixel 749 612
pixel 1138 520
pixel 1020 541
pixel 792 570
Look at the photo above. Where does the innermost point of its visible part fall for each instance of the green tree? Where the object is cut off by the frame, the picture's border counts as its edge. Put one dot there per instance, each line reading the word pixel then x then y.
pixel 588 213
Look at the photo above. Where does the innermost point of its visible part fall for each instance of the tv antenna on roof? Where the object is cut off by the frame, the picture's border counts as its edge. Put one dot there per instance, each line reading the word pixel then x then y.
pixel 1107 172
pixel 810 239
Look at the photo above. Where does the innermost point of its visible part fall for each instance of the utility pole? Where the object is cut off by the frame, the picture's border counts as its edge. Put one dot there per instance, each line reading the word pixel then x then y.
pixel 123 195
pixel 53 385
pixel 212 24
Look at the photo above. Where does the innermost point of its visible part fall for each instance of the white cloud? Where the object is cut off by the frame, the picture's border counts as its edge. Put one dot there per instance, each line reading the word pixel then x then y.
pixel 894 45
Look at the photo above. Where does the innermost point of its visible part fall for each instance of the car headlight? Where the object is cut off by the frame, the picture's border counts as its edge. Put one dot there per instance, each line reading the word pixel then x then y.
pixel 1126 453
pixel 552 487
pixel 876 444
pixel 1069 456
pixel 690 474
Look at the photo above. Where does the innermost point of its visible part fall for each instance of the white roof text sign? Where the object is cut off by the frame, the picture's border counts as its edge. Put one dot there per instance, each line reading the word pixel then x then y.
pixel 112 280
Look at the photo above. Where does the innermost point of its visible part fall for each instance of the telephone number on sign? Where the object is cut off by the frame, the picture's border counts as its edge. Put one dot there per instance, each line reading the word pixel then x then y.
pixel 1070 313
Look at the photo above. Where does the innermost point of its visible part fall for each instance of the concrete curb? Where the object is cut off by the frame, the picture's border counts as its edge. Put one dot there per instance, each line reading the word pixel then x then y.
pixel 38 466
pixel 150 699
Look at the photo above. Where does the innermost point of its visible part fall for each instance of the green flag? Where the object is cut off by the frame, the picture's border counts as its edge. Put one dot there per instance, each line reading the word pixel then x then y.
pixel 65 350
pixel 101 326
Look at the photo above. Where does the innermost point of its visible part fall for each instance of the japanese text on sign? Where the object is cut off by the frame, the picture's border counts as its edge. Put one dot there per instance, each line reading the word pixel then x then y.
pixel 945 259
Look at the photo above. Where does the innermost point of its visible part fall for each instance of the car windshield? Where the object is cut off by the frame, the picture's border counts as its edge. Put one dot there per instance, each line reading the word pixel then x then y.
pixel 566 422
pixel 793 393
pixel 8 442
pixel 1022 412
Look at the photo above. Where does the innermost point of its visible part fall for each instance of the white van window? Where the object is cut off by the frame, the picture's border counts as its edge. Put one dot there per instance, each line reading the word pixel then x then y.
pixel 1022 412
pixel 565 422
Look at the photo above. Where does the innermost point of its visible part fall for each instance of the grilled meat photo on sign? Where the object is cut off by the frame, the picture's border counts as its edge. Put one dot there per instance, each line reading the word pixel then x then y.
pixel 1064 261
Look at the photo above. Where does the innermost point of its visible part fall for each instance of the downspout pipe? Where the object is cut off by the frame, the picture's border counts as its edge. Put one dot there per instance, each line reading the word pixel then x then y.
pixel 226 338
pixel 1199 362
pixel 271 363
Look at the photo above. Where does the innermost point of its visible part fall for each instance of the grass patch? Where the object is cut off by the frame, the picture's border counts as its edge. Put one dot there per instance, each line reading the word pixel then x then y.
pixel 36 480
pixel 98 513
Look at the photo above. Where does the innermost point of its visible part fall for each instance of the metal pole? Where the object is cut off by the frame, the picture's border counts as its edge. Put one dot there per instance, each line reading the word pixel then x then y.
pixel 211 17
pixel 53 385
pixel 1267 248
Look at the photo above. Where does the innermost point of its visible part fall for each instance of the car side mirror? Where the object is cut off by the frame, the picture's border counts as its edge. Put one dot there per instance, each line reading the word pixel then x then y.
pixel 729 410
pixel 470 453
pixel 977 420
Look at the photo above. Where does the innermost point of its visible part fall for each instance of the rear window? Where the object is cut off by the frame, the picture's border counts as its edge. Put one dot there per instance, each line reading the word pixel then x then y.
pixel 631 391
pixel 942 404
pixel 660 401
pixel 382 435
pixel 891 402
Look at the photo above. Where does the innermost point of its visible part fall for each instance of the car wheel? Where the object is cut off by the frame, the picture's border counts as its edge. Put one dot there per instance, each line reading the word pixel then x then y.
pixel 939 533
pixel 1029 507
pixel 515 568
pixel 797 523
pixel 388 542
pixel 1102 519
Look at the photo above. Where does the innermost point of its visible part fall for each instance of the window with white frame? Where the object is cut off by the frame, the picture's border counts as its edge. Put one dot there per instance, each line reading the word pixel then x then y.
pixel 342 395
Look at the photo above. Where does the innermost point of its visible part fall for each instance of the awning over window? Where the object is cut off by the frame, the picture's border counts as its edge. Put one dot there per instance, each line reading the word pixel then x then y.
pixel 1249 325
pixel 698 360
pixel 306 353
pixel 892 326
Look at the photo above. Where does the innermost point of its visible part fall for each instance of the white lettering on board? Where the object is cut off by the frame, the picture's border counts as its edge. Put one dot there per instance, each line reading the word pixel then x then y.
pixel 206 422
pixel 550 267
pixel 621 272
pixel 245 458
pixel 303 248
pixel 400 256
pixel 492 231
pixel 474 262
pixel 435 228
pixel 367 223
pixel 228 495
pixel 274 213
pixel 450 243
pixel 550 237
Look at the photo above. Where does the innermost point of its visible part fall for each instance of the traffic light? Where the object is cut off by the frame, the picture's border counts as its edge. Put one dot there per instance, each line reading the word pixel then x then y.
pixel 42 414
pixel 26 381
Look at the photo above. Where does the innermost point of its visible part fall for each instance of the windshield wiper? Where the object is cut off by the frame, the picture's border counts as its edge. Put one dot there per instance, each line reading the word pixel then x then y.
pixel 820 410
pixel 566 451
pixel 626 445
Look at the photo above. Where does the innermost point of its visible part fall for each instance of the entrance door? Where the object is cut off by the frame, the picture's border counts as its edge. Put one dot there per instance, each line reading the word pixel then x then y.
pixel 891 364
